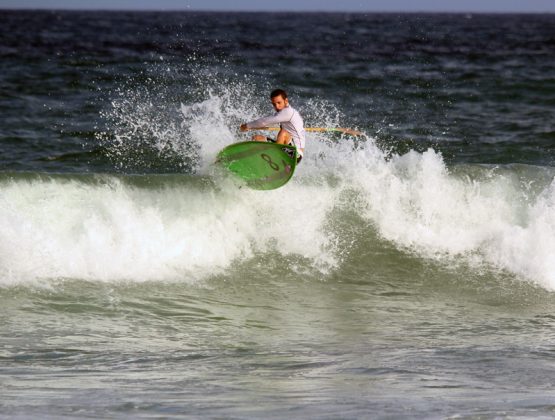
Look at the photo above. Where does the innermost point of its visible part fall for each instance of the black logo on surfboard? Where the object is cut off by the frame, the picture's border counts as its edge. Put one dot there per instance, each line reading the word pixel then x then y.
pixel 290 152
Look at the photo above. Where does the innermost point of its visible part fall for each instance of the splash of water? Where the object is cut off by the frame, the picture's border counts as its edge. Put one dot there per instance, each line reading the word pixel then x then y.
pixel 109 230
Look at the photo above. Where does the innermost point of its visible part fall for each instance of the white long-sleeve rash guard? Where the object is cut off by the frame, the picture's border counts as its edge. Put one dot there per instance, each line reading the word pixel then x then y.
pixel 290 120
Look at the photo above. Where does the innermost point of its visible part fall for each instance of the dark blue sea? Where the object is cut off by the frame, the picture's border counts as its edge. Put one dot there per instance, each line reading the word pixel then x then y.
pixel 405 273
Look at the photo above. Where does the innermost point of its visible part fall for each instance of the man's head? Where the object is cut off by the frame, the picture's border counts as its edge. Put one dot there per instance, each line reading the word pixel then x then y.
pixel 279 99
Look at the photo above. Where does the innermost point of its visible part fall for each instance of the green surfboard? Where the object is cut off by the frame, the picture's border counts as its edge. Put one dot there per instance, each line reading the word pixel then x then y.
pixel 262 165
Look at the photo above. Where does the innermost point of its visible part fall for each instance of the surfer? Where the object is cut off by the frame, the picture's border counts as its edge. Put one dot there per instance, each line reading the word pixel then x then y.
pixel 290 122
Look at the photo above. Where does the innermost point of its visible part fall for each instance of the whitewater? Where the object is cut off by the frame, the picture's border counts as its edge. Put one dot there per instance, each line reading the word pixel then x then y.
pixel 106 227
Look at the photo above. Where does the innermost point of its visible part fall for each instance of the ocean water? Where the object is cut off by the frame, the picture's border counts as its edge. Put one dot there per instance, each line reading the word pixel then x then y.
pixel 407 273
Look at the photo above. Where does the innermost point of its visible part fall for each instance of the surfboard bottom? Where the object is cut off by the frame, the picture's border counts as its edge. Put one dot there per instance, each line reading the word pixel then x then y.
pixel 262 165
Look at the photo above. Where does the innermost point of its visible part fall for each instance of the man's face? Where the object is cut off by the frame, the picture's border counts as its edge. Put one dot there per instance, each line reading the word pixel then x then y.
pixel 279 103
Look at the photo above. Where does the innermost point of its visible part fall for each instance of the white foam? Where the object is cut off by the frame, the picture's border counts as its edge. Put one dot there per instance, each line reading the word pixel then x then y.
pixel 529 249
pixel 416 203
pixel 111 231
pixel 485 215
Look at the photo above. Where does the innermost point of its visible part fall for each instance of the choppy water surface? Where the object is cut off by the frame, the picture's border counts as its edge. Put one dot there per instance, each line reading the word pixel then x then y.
pixel 405 274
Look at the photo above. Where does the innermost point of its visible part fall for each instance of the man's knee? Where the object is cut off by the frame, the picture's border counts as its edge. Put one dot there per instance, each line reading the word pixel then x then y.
pixel 284 137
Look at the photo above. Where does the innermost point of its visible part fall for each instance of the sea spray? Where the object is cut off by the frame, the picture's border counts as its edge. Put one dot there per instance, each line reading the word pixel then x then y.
pixel 478 214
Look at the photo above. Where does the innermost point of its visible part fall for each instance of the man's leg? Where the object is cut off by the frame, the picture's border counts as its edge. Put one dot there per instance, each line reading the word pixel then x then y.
pixel 259 137
pixel 283 137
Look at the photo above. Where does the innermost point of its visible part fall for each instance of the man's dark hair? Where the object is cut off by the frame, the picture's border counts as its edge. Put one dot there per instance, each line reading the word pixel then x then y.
pixel 278 92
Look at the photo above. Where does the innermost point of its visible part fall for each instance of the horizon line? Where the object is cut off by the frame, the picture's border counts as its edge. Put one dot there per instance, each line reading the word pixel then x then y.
pixel 185 10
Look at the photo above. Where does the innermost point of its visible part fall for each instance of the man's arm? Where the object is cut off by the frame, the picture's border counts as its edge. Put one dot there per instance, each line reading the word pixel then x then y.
pixel 282 116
